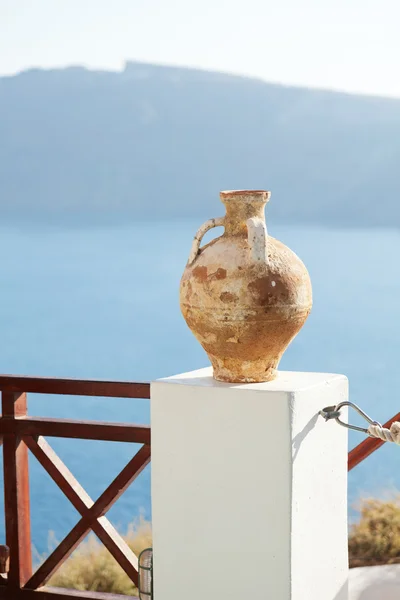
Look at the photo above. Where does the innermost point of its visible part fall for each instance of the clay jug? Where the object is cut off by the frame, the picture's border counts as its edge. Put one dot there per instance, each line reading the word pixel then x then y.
pixel 244 295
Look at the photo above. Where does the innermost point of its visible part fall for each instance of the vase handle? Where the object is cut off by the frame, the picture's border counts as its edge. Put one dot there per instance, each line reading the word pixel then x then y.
pixel 218 222
pixel 257 238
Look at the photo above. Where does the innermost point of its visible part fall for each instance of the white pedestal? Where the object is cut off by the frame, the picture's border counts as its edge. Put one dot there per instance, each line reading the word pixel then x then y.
pixel 249 489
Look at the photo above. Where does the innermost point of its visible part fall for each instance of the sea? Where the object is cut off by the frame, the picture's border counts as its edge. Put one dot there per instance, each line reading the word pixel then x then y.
pixel 102 303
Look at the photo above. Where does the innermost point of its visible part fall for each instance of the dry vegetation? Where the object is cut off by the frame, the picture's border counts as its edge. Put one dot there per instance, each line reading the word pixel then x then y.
pixel 92 567
pixel 375 539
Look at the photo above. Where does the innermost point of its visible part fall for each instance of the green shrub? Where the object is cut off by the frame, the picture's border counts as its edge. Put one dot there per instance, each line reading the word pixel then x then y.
pixel 92 568
pixel 375 539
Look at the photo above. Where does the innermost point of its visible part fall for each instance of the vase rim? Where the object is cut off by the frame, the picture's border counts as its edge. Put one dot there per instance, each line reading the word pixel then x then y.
pixel 259 194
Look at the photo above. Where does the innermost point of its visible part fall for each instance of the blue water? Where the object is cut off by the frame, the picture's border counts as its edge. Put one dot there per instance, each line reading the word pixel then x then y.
pixel 103 303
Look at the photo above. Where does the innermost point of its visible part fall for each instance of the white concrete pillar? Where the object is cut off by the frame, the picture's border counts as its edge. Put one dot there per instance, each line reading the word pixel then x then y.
pixel 249 489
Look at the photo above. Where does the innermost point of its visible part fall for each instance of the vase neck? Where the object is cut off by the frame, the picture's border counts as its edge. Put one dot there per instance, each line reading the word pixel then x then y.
pixel 241 206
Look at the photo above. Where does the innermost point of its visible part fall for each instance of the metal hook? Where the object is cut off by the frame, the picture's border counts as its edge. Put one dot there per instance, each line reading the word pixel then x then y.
pixel 333 412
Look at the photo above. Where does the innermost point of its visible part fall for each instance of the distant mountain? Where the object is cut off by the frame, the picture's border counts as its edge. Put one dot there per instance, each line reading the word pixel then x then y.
pixel 162 141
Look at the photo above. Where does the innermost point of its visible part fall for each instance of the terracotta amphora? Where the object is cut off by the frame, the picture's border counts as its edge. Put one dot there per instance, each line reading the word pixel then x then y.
pixel 244 295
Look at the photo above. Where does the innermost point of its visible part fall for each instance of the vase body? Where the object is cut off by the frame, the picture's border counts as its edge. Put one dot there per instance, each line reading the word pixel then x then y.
pixel 244 295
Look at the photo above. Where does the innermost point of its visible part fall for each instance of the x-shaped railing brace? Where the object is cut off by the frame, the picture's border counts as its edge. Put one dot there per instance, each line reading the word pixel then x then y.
pixel 92 512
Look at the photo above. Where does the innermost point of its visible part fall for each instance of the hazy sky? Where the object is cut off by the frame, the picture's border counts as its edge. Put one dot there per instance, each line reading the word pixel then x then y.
pixel 341 44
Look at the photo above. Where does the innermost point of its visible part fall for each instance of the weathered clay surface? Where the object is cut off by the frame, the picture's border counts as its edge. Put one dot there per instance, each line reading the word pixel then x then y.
pixel 244 295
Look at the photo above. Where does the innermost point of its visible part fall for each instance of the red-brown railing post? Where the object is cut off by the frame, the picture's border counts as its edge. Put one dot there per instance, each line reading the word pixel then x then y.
pixel 16 494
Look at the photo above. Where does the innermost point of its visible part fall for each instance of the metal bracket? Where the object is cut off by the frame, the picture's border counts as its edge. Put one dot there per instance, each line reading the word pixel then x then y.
pixel 333 412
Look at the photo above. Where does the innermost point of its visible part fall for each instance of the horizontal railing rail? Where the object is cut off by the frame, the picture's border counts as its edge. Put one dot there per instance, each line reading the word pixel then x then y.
pixel 74 387
pixel 21 434
pixel 87 430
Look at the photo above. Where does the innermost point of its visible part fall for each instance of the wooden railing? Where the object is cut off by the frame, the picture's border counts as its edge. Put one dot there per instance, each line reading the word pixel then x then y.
pixel 21 434
pixel 368 446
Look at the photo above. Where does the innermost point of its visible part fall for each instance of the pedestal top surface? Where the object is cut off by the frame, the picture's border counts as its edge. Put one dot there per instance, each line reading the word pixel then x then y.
pixel 286 381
